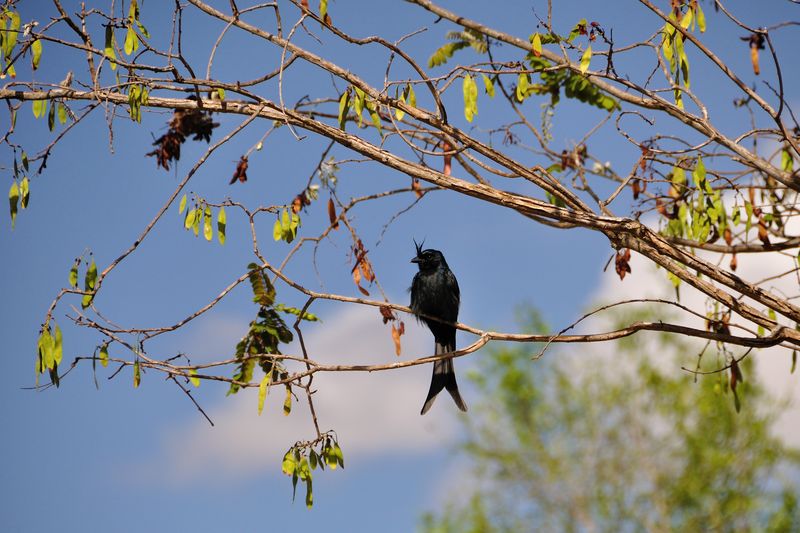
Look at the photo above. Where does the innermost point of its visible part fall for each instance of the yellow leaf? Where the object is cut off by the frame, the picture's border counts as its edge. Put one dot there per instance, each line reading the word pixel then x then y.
pixel 586 59
pixel 195 380
pixel 36 49
pixel 537 44
pixel 701 19
pixel 470 98
pixel 263 389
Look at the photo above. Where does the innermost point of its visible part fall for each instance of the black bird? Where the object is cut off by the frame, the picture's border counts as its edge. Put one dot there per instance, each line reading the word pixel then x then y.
pixel 434 292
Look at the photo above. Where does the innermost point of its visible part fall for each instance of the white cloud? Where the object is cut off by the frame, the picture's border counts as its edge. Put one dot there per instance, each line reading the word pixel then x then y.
pixel 373 414
pixel 772 364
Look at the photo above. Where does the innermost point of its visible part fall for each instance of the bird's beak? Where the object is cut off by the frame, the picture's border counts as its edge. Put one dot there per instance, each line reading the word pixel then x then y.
pixel 416 260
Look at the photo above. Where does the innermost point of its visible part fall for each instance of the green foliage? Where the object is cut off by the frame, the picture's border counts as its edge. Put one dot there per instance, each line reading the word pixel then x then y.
pixel 673 49
pixel 13 201
pixel 470 91
pixel 575 86
pixel 138 96
pixel 50 351
pixel 302 459
pixel 460 39
pixel 265 335
pixel 89 284
pixel 625 442
pixel 285 227
pixel 344 104
pixel 110 46
pixel 36 53
pixel 201 216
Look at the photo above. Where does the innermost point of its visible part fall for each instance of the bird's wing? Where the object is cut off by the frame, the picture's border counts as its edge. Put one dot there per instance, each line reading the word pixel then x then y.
pixel 415 290
pixel 454 290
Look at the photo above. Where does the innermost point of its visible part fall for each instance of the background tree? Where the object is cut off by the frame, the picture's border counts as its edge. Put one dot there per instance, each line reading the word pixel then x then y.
pixel 703 188
pixel 577 444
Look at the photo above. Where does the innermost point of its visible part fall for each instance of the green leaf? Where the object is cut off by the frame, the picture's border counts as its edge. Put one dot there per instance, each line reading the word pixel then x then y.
pixel 182 204
pixel 39 108
pixel 277 230
pixel 323 9
pixel 787 162
pixel 221 93
pixel 10 37
pixel 13 200
pixel 104 355
pixel 699 172
pixel 523 83
pixel 687 18
pixel 131 41
pixel 198 216
pixel 58 346
pixel 286 223
pixel 536 43
pixel 289 464
pixel 412 96
pixel 189 220
pixel 337 452
pixel 470 90
pixel 586 59
pixel 25 161
pixel 208 232
pixel 263 389
pixel 399 113
pixel 109 49
pixel 344 102
pixel 36 53
pixel 488 85
pixel 358 105
pixel 295 311
pixel 51 117
pixel 287 402
pixel 62 113
pixel 263 290
pixel 142 29
pixel 45 347
pixel 222 222
pixel 444 53
pixel 736 216
pixel 376 119
pixel 137 375
pixel 193 377
pixel 88 284
pixel 24 192
pixel 73 274
pixel 309 493
pixel 701 18
pixel 313 459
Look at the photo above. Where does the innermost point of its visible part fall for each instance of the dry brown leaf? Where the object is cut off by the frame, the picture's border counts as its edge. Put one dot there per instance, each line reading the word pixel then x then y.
pixel 386 313
pixel 448 158
pixel 332 214
pixel 763 236
pixel 415 186
pixel 728 236
pixel 754 60
pixel 396 338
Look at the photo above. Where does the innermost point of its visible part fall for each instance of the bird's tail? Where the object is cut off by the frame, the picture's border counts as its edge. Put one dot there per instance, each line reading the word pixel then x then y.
pixel 444 377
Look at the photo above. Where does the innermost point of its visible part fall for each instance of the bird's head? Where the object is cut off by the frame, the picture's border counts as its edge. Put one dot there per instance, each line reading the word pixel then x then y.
pixel 428 260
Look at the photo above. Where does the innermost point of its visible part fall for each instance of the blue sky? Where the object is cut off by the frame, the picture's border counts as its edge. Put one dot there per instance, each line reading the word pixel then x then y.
pixel 120 459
